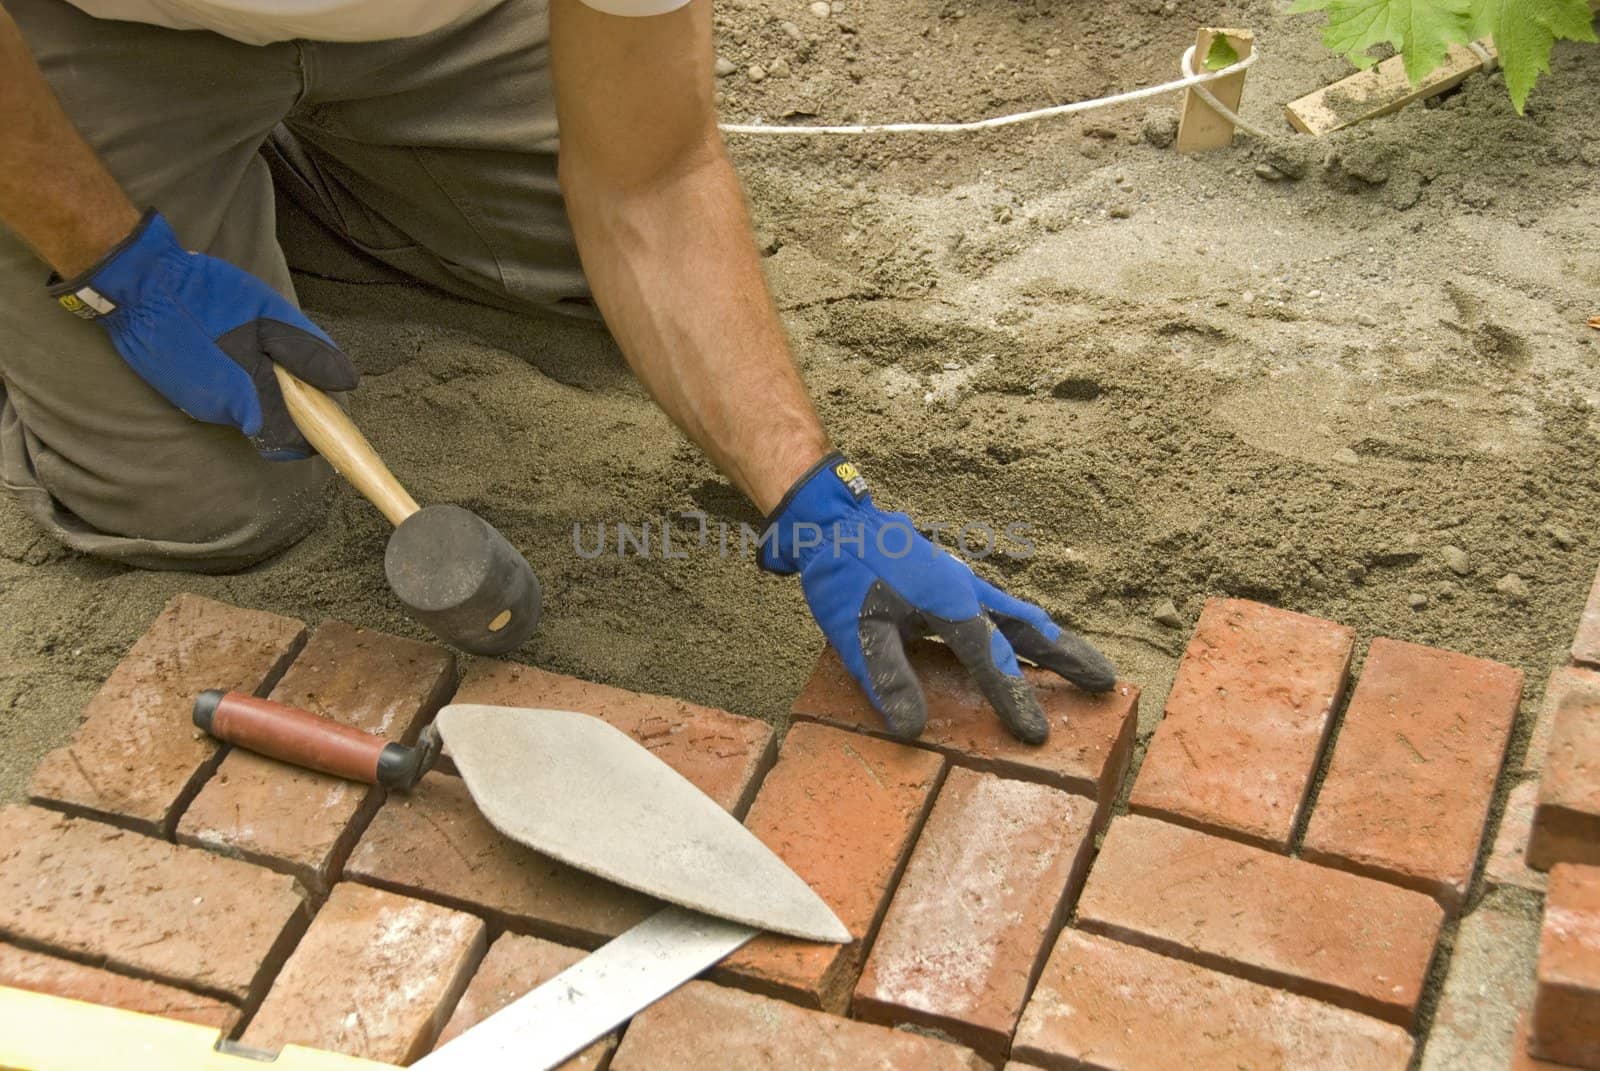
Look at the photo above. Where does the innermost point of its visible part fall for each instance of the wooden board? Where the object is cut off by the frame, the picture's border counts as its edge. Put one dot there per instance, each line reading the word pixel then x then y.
pixel 1199 127
pixel 1380 90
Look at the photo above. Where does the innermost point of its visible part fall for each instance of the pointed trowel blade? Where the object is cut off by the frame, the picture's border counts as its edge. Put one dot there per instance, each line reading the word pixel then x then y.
pixel 573 787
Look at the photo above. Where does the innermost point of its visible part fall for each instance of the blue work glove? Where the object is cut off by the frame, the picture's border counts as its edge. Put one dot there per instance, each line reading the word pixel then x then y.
pixel 873 581
pixel 206 334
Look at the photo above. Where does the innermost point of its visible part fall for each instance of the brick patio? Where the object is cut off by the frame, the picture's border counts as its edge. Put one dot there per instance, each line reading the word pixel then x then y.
pixel 1298 867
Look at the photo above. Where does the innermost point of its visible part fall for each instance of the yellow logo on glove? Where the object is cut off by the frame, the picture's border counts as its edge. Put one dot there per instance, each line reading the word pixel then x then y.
pixel 851 477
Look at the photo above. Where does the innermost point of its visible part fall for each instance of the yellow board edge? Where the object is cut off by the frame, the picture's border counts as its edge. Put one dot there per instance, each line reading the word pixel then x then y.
pixel 39 1032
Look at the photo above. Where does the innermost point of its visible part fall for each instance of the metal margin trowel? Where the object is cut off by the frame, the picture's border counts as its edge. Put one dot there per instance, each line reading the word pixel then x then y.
pixel 573 787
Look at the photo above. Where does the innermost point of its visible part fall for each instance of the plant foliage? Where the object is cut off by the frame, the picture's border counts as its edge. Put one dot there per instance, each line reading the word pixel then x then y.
pixel 1524 31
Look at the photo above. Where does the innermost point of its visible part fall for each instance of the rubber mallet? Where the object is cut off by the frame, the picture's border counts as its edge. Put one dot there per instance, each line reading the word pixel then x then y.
pixel 448 567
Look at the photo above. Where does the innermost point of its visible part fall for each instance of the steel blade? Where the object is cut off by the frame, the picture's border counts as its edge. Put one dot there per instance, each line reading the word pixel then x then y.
pixel 593 996
pixel 574 787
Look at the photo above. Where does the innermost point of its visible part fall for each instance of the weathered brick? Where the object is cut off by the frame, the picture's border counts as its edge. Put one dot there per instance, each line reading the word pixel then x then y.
pixel 1586 642
pixel 842 809
pixel 1091 736
pixel 1245 723
pixel 1110 1006
pixel 1522 1060
pixel 1565 1027
pixel 297 820
pixel 1407 795
pixel 434 843
pixel 1567 685
pixel 515 966
pixel 705 1027
pixel 1566 820
pixel 178 915
pixel 375 976
pixel 991 877
pixel 1489 986
pixel 39 973
pixel 722 753
pixel 1328 934
pixel 137 759
pixel 1507 864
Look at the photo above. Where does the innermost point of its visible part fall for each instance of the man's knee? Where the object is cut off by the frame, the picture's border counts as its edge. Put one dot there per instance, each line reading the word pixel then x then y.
pixel 215 515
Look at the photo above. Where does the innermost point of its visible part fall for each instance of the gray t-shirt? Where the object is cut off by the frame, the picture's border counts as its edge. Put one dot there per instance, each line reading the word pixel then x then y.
pixel 260 22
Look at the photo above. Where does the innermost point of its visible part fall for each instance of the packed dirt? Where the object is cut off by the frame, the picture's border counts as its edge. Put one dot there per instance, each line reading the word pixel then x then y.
pixel 1296 371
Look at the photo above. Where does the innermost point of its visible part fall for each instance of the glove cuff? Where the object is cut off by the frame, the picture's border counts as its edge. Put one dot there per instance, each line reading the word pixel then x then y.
pixel 102 289
pixel 824 494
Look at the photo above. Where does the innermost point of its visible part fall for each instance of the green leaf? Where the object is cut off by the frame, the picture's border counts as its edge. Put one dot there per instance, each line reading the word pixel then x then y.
pixel 1222 54
pixel 1524 31
pixel 1421 30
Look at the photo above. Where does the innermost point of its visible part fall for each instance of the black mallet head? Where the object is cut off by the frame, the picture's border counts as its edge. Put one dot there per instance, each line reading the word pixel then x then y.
pixel 458 576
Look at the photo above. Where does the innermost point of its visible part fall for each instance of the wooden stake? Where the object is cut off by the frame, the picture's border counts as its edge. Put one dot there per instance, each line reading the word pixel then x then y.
pixel 1200 128
pixel 1380 90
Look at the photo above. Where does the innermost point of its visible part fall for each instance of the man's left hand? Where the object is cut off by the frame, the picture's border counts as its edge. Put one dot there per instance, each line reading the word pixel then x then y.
pixel 873 580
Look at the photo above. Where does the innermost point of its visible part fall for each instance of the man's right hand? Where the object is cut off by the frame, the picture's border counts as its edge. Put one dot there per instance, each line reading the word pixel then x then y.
pixel 206 335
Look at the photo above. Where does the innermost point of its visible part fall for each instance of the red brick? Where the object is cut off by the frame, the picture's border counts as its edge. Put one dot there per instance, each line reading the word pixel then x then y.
pixel 1327 934
pixel 991 877
pixel 1246 721
pixel 39 973
pixel 374 977
pixel 137 759
pixel 704 1027
pixel 1566 821
pixel 842 809
pixel 1091 736
pixel 1507 864
pixel 722 753
pixel 1522 1060
pixel 178 915
pixel 1407 795
pixel 434 843
pixel 1586 643
pixel 299 821
pixel 515 966
pixel 1110 1006
pixel 1565 1027
pixel 1567 685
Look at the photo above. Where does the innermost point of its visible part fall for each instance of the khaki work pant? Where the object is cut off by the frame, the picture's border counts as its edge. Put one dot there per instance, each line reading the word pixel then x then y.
pixel 435 155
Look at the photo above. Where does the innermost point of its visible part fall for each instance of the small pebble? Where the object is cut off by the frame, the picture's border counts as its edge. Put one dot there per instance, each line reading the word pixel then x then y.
pixel 724 67
pixel 1512 585
pixel 1121 212
pixel 779 68
pixel 1457 560
pixel 1417 600
pixel 792 30
pixel 1167 614
pixel 756 73
pixel 1269 173
pixel 1346 456
pixel 821 9
pixel 1052 52
pixel 1366 319
pixel 1565 538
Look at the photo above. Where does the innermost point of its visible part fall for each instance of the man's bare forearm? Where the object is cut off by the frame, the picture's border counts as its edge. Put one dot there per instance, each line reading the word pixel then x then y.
pixel 677 275
pixel 54 191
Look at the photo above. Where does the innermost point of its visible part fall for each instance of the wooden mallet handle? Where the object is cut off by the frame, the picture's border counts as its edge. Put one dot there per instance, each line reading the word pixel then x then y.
pixel 335 436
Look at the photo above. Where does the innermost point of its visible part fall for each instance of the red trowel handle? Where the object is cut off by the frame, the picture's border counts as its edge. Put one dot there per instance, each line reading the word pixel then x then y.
pixel 317 743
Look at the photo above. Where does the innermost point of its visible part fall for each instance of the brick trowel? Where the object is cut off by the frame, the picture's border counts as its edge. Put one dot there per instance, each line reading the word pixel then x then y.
pixel 573 787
